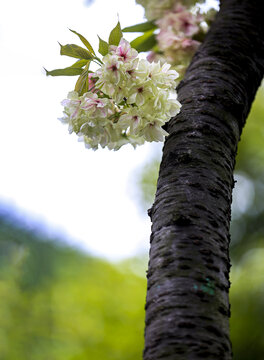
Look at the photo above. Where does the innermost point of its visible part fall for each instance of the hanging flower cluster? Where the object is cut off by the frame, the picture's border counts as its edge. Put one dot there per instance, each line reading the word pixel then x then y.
pixel 127 100
pixel 176 28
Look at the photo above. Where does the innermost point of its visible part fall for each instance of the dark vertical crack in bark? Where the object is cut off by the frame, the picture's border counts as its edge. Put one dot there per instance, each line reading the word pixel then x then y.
pixel 187 308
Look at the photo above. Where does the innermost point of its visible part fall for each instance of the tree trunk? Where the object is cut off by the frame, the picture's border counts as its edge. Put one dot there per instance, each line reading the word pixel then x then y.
pixel 187 308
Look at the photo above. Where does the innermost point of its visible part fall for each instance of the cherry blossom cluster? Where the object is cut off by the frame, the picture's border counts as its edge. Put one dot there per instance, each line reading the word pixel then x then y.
pixel 128 101
pixel 177 25
pixel 175 38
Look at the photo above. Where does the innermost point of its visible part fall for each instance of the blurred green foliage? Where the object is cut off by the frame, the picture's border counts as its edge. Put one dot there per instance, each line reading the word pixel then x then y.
pixel 247 306
pixel 247 226
pixel 57 303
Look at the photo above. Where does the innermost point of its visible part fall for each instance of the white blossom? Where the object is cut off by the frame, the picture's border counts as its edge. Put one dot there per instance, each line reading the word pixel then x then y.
pixel 129 101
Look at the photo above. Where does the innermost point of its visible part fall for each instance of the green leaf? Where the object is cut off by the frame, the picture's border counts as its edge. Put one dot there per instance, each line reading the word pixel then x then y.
pixel 75 69
pixel 143 27
pixel 144 42
pixel 103 47
pixel 115 35
pixel 80 63
pixel 82 83
pixel 69 71
pixel 84 41
pixel 75 51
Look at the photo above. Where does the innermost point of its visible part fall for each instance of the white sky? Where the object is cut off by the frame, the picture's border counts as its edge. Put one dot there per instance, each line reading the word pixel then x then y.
pixel 45 172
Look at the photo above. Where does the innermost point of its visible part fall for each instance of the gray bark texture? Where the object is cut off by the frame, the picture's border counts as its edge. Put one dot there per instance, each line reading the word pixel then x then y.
pixel 187 306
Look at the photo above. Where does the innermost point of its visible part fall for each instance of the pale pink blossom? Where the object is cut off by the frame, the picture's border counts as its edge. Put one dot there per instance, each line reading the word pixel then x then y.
pixel 113 65
pixel 72 105
pixel 91 82
pixel 91 103
pixel 124 51
pixel 180 21
pixel 156 57
pixel 189 44
pixel 168 39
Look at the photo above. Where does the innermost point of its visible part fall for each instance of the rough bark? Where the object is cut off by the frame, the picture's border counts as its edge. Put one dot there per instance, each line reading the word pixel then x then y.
pixel 187 307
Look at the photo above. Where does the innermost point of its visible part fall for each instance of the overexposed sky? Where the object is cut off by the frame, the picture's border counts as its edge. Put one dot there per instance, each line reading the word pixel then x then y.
pixel 45 172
